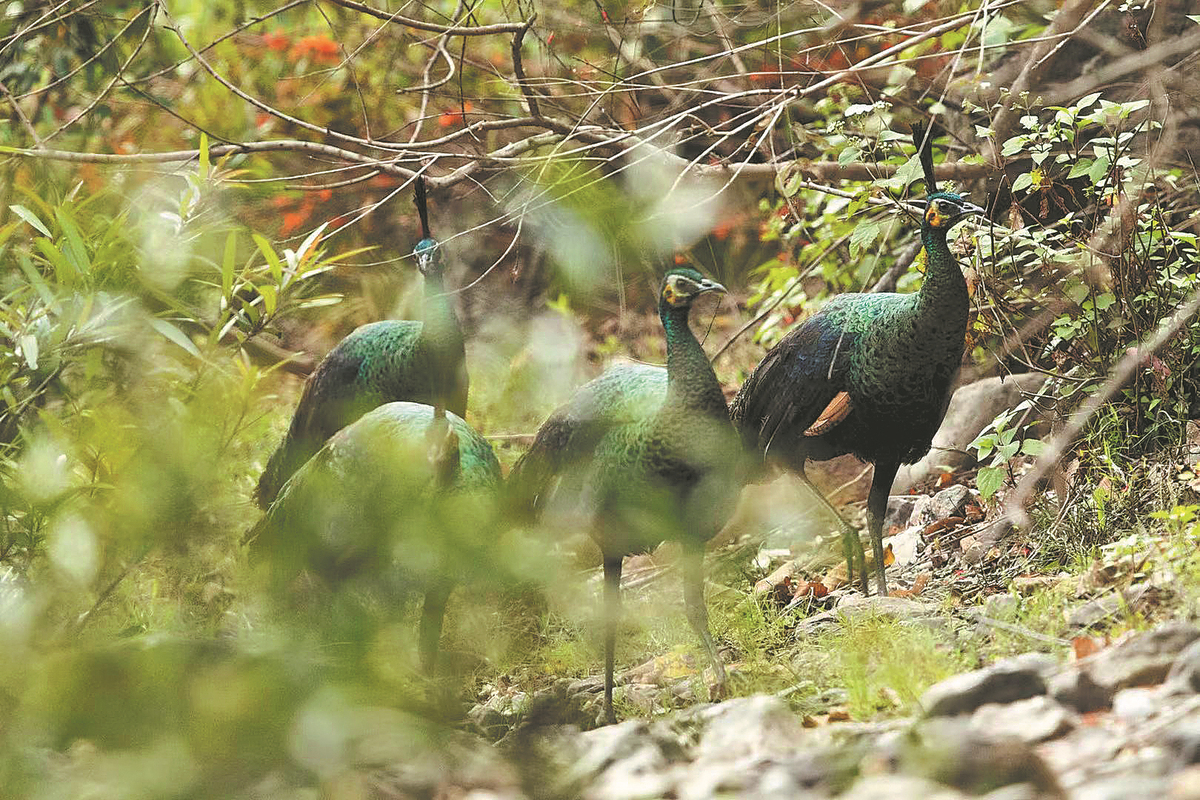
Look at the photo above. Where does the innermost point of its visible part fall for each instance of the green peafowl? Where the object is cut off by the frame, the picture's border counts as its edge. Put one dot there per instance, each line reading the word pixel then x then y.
pixel 648 454
pixel 380 362
pixel 367 503
pixel 869 374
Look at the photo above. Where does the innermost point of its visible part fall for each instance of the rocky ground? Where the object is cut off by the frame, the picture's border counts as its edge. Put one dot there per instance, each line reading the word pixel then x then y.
pixel 1087 717
pixel 1121 723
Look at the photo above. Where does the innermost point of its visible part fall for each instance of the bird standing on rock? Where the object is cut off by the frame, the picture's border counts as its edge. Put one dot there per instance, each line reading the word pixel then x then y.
pixel 649 454
pixel 869 374
pixel 380 362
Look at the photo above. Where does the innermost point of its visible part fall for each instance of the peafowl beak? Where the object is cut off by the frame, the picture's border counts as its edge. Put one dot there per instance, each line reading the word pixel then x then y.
pixel 969 208
pixel 710 286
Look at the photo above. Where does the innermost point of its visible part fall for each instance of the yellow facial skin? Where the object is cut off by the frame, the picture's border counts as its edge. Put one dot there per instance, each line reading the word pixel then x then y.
pixel 675 294
pixel 937 215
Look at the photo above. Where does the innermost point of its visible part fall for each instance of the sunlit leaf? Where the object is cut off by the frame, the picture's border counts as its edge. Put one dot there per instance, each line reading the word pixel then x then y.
pixel 27 215
pixel 175 335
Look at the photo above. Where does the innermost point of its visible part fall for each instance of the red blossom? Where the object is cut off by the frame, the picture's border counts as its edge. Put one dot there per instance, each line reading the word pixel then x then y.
pixel 319 48
pixel 276 41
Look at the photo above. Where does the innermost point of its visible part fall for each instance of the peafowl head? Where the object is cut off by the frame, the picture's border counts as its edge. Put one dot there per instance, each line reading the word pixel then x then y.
pixel 943 209
pixel 682 285
pixel 429 257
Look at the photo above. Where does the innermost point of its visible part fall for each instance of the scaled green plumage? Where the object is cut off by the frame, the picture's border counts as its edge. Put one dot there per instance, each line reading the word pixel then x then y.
pixel 423 362
pixel 894 355
pixel 374 500
pixel 646 454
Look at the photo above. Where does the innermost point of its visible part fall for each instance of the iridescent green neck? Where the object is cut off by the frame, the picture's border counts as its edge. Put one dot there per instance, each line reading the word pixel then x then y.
pixel 944 288
pixel 691 382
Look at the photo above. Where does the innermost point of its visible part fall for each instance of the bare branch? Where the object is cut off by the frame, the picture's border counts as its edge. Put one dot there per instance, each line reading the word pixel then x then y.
pixel 451 30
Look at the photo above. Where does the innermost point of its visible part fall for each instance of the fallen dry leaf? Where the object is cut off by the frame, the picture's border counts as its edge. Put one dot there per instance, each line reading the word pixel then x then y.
pixel 1084 646
pixel 918 586
pixel 810 589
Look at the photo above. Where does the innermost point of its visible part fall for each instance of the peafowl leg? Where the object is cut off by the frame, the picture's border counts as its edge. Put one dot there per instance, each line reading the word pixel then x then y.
pixel 612 611
pixel 697 611
pixel 852 549
pixel 877 501
pixel 430 630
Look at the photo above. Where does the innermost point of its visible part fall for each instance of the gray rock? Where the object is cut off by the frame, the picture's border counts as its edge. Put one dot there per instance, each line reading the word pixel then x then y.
pixel 1141 659
pixel 1004 682
pixel 855 606
pixel 1185 784
pixel 1183 741
pixel 1121 787
pixel 1036 719
pixel 899 787
pixel 904 545
pixel 1137 704
pixel 754 727
pixel 1003 607
pixel 1075 758
pixel 950 502
pixel 751 779
pixel 1017 791
pixel 899 511
pixel 951 752
pixel 972 408
pixel 1073 687
pixel 1185 672
pixel 1100 609
pixel 625 761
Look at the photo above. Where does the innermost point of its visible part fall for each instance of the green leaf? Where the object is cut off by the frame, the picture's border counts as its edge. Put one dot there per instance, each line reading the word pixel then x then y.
pixel 988 481
pixel 36 280
pixel 273 261
pixel 1033 447
pixel 227 265
pixel 984 444
pixel 269 298
pixel 1099 169
pixel 175 335
pixel 310 243
pixel 64 273
pixel 1087 100
pixel 788 180
pixel 204 165
pixel 27 215
pixel 29 350
pixel 1013 146
pixel 1081 167
pixel 864 236
pixel 1023 181
pixel 75 249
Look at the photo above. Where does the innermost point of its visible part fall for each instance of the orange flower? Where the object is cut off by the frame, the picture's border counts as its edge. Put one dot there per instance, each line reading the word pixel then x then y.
pixel 292 221
pixel 325 194
pixel 448 118
pixel 319 48
pixel 276 41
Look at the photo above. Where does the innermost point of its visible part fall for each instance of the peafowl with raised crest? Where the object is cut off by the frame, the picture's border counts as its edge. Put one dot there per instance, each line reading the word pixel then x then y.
pixel 647 454
pixel 406 491
pixel 869 374
pixel 381 362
